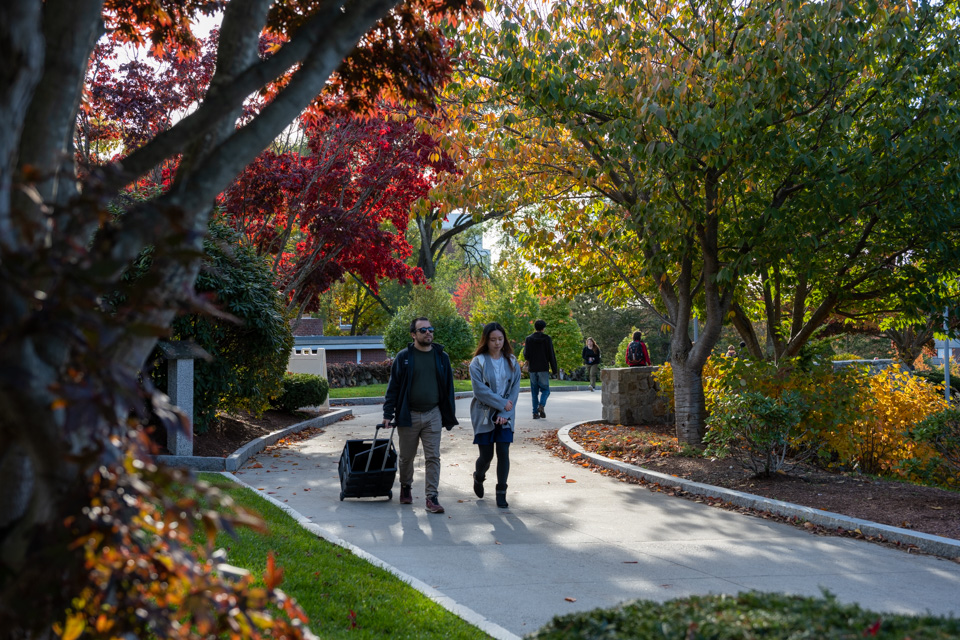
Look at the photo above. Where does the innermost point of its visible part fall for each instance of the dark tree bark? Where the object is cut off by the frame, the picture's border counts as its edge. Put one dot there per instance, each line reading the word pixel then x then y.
pixel 69 370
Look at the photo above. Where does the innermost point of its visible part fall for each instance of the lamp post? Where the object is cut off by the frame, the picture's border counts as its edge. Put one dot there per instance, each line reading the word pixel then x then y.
pixel 946 354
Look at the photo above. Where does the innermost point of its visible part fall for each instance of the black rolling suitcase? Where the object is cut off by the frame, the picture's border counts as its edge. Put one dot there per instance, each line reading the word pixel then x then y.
pixel 368 467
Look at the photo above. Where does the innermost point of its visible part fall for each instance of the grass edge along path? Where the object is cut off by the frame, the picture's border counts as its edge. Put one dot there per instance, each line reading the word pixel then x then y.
pixel 342 594
pixel 378 390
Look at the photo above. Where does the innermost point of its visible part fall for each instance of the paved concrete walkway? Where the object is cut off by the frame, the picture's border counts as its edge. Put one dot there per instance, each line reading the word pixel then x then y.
pixel 574 540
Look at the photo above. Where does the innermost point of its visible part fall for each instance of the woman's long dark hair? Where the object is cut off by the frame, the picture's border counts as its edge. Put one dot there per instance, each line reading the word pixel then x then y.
pixel 484 346
pixel 596 349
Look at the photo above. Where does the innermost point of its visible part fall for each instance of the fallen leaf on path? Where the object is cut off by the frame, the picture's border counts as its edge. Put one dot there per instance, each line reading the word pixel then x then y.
pixel 570 599
pixel 630 561
pixel 570 480
pixel 256 465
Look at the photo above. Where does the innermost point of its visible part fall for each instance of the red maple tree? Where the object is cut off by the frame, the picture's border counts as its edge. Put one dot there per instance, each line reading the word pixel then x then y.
pixel 340 206
pixel 338 203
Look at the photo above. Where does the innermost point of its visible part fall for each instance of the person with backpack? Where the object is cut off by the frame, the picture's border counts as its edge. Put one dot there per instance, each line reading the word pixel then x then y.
pixel 637 355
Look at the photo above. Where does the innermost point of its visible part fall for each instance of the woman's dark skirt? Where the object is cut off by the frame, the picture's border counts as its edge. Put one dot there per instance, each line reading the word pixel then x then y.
pixel 499 434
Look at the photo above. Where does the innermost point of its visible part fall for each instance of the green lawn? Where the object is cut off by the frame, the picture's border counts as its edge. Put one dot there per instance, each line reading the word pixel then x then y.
pixel 378 390
pixel 330 582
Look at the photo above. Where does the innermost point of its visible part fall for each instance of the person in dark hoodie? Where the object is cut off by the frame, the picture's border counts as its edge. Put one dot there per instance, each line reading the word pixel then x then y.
pixel 540 357
pixel 420 400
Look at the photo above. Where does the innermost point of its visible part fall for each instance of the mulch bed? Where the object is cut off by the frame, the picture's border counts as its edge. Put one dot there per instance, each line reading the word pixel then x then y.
pixel 233 431
pixel 919 508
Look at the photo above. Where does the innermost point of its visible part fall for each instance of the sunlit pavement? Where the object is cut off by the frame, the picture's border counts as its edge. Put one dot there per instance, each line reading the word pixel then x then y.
pixel 574 539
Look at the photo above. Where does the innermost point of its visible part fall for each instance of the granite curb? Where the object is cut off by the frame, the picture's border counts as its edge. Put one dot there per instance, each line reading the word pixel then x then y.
pixel 936 545
pixel 238 457
pixel 346 402
pixel 484 624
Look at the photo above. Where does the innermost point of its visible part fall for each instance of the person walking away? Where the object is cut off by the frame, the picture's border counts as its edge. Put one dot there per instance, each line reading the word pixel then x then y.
pixel 495 376
pixel 591 360
pixel 539 354
pixel 420 401
pixel 637 355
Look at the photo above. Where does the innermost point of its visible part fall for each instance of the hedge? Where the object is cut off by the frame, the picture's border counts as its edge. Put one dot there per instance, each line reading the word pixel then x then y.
pixel 301 390
pixel 746 616
pixel 357 374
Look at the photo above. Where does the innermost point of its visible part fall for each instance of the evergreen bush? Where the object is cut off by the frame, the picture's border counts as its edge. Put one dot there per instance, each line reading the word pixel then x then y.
pixel 452 331
pixel 745 616
pixel 621 358
pixel 942 431
pixel 936 376
pixel 301 390
pixel 564 331
pixel 249 357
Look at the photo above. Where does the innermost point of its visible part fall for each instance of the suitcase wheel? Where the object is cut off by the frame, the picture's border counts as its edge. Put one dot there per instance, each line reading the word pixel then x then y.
pixel 341 496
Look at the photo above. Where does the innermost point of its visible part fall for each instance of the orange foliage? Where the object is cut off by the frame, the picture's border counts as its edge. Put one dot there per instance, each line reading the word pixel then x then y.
pixel 891 403
pixel 861 421
pixel 146 578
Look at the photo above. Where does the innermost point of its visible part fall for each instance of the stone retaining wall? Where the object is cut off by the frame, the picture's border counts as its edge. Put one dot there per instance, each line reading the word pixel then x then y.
pixel 629 396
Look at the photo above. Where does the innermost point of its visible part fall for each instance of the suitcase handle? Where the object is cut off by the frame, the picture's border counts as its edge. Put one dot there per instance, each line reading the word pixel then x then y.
pixel 386 445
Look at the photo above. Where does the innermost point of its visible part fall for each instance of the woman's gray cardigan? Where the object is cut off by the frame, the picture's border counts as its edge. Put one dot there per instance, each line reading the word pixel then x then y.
pixel 487 399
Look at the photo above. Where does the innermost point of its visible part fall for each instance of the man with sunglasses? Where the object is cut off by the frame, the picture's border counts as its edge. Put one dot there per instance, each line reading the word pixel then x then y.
pixel 421 402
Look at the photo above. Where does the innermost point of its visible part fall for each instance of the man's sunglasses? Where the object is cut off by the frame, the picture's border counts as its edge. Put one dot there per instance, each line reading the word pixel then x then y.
pixel 425 330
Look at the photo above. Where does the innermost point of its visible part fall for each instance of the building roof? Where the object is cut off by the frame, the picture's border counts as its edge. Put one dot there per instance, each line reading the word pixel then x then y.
pixel 339 342
pixel 309 327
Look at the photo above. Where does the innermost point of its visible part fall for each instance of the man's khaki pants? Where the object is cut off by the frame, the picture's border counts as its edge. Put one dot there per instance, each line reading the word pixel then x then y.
pixel 426 427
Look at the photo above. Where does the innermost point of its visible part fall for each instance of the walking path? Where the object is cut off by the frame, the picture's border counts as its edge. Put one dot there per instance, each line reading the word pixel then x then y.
pixel 575 540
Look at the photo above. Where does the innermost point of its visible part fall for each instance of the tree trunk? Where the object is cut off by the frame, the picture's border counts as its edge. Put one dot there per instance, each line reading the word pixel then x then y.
pixel 689 401
pixel 425 254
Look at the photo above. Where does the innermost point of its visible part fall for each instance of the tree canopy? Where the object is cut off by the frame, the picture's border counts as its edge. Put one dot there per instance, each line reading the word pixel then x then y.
pixel 681 154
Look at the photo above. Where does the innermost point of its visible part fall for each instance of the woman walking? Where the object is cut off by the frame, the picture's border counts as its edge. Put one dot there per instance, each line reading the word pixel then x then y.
pixel 591 359
pixel 495 376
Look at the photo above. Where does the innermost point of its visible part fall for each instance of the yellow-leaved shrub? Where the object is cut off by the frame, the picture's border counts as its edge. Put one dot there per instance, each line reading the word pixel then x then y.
pixel 855 420
pixel 891 403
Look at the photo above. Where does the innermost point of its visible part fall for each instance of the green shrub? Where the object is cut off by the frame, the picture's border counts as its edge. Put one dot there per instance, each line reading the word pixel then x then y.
pixel 564 331
pixel 301 390
pixel 452 331
pixel 621 359
pixel 758 431
pixel 936 376
pixel 746 616
pixel 249 357
pixel 510 300
pixel 942 431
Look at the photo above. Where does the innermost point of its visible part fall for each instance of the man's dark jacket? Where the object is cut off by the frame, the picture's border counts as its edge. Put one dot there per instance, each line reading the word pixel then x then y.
pixel 397 399
pixel 539 354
